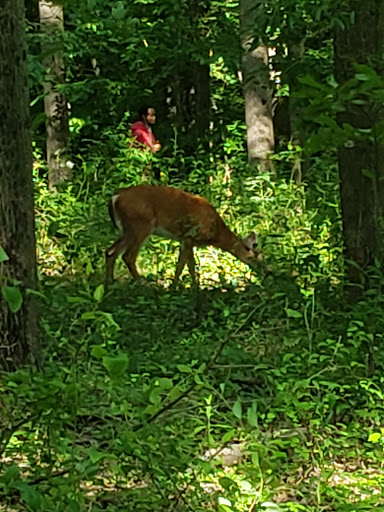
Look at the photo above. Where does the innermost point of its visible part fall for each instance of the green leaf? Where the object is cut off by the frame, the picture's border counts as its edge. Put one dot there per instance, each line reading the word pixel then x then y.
pixel 11 474
pixel 155 397
pixel 29 495
pixel 119 11
pixel 183 368
pixel 3 255
pixel 312 82
pixel 98 351
pixel 374 437
pixel 237 409
pixel 223 507
pixel 228 436
pixel 99 293
pixel 95 455
pixel 292 313
pixel 73 506
pixel 165 383
pixel 252 415
pixel 116 366
pixel 13 296
pixel 88 315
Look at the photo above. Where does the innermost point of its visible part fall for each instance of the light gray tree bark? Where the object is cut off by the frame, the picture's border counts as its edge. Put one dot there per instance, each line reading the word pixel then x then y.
pixel 257 92
pixel 55 103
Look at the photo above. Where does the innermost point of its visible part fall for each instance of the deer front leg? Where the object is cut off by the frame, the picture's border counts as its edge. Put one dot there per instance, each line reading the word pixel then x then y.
pixel 129 258
pixel 185 258
pixel 139 231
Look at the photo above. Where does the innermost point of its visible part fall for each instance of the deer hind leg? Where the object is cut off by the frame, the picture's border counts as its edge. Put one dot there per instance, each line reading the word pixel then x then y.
pixel 140 232
pixel 112 253
pixel 185 258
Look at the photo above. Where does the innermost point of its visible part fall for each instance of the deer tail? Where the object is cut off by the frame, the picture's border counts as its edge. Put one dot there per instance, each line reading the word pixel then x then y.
pixel 113 213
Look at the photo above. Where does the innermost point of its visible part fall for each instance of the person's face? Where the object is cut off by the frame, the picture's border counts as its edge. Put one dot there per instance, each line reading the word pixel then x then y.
pixel 151 116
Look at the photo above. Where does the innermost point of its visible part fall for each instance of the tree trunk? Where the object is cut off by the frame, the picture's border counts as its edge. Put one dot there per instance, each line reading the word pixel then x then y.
pixel 203 99
pixel 17 235
pixel 296 54
pixel 361 162
pixel 257 93
pixel 55 103
pixel 188 99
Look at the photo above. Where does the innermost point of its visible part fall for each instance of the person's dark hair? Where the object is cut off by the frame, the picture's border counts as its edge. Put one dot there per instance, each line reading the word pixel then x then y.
pixel 143 111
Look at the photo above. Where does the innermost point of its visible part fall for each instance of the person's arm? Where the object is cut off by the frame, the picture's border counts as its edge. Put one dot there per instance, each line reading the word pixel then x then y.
pixel 145 137
pixel 156 147
pixel 150 141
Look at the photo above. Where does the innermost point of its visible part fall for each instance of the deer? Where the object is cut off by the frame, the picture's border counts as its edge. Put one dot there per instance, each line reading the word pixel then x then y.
pixel 142 210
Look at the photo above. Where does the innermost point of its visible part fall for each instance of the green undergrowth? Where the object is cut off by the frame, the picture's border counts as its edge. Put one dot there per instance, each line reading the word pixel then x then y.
pixel 261 391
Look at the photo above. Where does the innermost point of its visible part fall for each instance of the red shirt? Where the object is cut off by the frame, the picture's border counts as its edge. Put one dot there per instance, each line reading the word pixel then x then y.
pixel 143 134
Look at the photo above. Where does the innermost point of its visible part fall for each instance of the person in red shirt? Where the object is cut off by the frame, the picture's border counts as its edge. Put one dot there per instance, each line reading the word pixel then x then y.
pixel 142 129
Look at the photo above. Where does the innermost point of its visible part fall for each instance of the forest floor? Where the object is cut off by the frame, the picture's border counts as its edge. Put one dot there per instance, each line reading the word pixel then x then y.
pixel 260 392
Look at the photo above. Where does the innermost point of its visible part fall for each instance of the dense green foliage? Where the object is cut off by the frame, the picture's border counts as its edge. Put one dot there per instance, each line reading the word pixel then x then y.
pixel 263 391
pixel 142 386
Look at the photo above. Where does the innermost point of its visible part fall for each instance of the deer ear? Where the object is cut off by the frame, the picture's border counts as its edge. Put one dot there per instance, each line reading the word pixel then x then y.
pixel 250 241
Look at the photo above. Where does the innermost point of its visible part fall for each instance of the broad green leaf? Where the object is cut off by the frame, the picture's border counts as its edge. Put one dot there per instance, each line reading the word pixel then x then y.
pixel 374 437
pixel 3 255
pixel 252 417
pixel 73 506
pixel 95 455
pixel 155 397
pixel 98 351
pixel 224 508
pixel 227 483
pixel 183 368
pixel 99 293
pixel 116 366
pixel 237 409
pixel 88 315
pixel 292 313
pixel 198 429
pixel 165 383
pixel 29 495
pixel 13 296
pixel 245 486
pixel 227 436
pixel 255 459
pixel 11 474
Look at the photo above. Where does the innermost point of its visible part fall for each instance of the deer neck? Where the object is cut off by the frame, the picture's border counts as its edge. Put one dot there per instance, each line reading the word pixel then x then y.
pixel 226 239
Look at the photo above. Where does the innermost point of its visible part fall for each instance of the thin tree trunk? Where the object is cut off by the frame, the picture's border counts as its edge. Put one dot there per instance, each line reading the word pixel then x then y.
pixel 203 99
pixel 257 93
pixel 188 99
pixel 361 162
pixel 17 236
pixel 296 54
pixel 55 103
